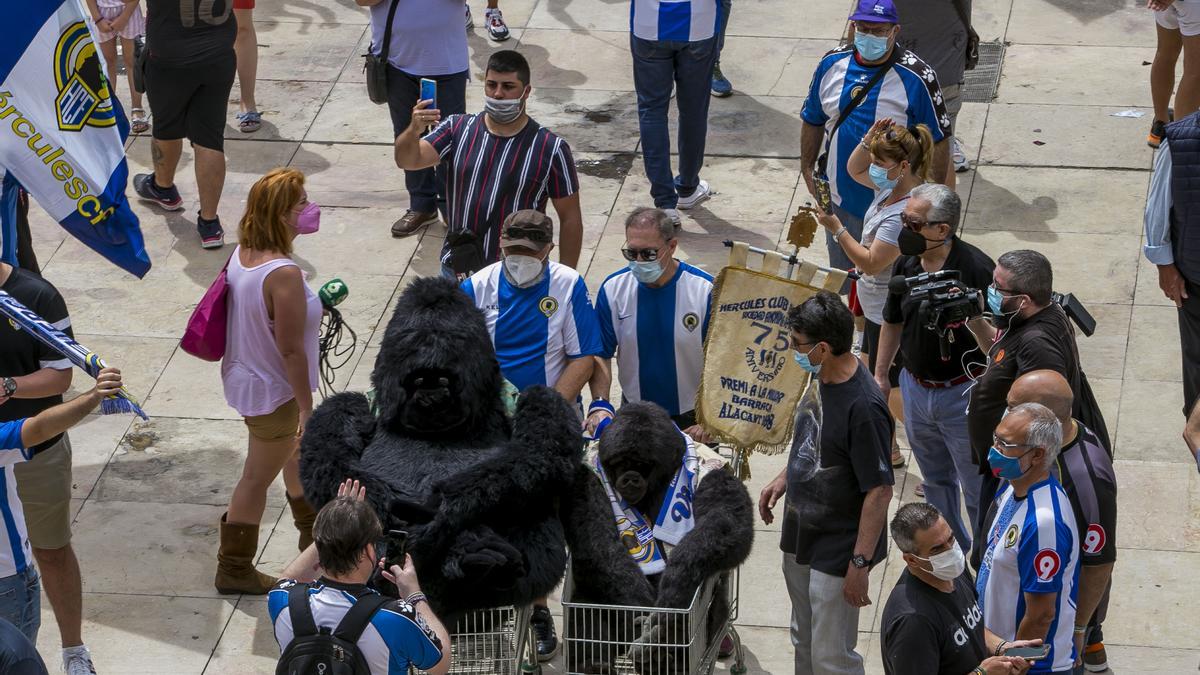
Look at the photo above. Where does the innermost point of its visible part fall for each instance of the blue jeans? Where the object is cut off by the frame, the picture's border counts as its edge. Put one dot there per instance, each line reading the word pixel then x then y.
pixel 936 423
pixel 657 66
pixel 426 187
pixel 21 602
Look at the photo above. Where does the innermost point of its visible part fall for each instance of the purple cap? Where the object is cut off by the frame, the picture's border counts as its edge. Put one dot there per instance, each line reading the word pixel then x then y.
pixel 879 11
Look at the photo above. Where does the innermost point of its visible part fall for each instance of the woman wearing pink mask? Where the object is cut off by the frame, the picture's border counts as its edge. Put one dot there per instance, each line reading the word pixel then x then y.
pixel 270 368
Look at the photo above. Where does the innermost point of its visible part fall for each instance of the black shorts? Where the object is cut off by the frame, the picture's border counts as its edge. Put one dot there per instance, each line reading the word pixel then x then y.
pixel 871 346
pixel 191 101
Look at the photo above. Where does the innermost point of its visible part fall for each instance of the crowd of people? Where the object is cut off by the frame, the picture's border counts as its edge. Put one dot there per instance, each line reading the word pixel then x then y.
pixel 1009 559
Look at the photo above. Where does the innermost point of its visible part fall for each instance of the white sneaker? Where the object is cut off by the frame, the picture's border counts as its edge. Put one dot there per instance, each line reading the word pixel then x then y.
pixel 470 21
pixel 673 214
pixel 701 193
pixel 497 29
pixel 959 155
pixel 78 661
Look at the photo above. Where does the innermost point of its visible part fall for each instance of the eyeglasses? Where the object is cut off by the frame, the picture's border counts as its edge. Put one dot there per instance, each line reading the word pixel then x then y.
pixel 914 224
pixel 1004 291
pixel 1005 445
pixel 873 28
pixel 533 234
pixel 642 254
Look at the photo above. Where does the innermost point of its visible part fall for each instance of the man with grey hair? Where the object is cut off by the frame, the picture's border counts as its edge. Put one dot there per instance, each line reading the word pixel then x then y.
pixel 934 387
pixel 932 624
pixel 653 318
pixel 1030 570
pixel 1022 330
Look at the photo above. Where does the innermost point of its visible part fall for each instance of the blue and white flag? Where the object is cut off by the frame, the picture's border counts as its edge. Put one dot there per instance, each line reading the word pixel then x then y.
pixel 62 129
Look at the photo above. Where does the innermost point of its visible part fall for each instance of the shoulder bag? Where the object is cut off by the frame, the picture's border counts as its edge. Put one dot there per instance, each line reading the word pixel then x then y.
pixel 853 103
pixel 376 66
pixel 972 36
pixel 204 336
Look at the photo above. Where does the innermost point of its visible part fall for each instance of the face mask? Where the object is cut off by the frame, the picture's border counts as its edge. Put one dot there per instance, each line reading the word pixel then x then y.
pixel 503 111
pixel 879 176
pixel 309 219
pixel 803 362
pixel 523 270
pixel 870 47
pixel 995 304
pixel 912 243
pixel 947 565
pixel 1003 466
pixel 646 272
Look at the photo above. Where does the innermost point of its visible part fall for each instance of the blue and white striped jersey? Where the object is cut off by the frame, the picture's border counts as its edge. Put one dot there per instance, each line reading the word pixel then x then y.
pixel 15 554
pixel 657 335
pixel 909 95
pixel 674 20
pixel 396 637
pixel 536 330
pixel 1032 547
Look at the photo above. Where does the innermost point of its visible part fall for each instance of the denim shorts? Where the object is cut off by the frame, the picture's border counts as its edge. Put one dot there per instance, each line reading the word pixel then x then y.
pixel 21 602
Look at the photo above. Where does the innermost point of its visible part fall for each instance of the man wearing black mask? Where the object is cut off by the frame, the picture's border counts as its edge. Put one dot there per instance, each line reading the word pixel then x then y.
pixel 934 389
pixel 1022 330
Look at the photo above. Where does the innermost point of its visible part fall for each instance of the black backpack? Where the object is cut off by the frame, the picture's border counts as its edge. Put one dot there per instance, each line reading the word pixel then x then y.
pixel 318 651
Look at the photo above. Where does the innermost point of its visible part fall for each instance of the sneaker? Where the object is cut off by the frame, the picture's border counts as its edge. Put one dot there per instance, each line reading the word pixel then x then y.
pixel 543 634
pixel 78 661
pixel 673 214
pixel 167 198
pixel 721 86
pixel 897 457
pixel 412 222
pixel 959 155
pixel 470 21
pixel 701 193
pixel 1158 131
pixel 1095 660
pixel 920 490
pixel 497 29
pixel 211 234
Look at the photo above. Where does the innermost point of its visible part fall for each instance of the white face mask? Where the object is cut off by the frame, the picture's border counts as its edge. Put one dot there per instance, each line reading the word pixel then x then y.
pixel 947 565
pixel 523 270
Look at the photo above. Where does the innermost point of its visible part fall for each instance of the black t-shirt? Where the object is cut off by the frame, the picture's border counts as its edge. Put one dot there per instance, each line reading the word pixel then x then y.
pixel 190 32
pixel 822 511
pixel 1044 341
pixel 18 656
pixel 21 354
pixel 919 345
pixel 1086 473
pixel 927 632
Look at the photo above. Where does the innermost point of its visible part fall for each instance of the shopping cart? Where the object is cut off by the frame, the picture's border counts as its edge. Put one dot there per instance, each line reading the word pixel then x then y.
pixel 617 640
pixel 493 642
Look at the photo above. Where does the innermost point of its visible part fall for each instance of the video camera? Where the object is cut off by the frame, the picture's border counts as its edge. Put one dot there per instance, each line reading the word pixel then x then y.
pixel 946 303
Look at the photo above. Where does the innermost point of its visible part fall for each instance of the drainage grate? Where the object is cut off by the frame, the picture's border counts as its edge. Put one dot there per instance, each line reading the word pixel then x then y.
pixel 981 83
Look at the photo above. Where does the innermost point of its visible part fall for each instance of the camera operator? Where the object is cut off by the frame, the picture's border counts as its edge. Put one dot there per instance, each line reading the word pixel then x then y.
pixel 934 383
pixel 1024 330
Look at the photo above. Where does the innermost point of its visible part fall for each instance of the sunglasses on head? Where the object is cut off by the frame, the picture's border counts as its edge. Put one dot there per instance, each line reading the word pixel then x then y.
pixel 642 254
pixel 531 233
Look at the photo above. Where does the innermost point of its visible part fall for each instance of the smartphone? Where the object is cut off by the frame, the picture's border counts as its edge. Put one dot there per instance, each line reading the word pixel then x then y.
pixel 824 196
pixel 429 93
pixel 394 547
pixel 1031 653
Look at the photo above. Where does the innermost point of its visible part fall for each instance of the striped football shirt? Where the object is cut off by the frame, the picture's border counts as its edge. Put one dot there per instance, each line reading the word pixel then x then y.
pixel 674 20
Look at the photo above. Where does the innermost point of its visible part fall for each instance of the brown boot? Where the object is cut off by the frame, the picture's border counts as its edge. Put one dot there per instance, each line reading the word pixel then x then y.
pixel 235 561
pixel 303 515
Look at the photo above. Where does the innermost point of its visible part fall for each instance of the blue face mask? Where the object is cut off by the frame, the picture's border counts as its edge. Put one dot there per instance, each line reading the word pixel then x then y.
pixel 646 272
pixel 879 176
pixel 994 300
pixel 803 362
pixel 1003 466
pixel 870 47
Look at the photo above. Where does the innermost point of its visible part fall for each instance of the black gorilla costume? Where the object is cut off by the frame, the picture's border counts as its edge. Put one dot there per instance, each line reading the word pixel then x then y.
pixel 641 452
pixel 479 500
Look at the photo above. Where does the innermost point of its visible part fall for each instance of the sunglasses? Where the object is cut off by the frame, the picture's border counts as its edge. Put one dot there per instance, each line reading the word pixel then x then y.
pixel 642 254
pixel 533 234
pixel 914 224
pixel 1005 445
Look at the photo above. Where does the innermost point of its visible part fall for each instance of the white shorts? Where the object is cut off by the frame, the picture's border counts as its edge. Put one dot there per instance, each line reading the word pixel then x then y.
pixel 1182 15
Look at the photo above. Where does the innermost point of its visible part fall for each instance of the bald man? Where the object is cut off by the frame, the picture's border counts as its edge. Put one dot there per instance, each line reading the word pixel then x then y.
pixel 1085 469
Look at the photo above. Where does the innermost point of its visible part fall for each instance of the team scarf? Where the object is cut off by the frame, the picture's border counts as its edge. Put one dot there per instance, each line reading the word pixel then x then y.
pixel 649 544
pixel 25 319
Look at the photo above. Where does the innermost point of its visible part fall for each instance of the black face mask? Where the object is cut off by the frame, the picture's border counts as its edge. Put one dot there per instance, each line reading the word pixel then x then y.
pixel 912 243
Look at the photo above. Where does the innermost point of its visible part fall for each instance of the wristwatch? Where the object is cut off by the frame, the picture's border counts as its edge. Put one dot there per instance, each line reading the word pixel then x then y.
pixel 860 561
pixel 10 387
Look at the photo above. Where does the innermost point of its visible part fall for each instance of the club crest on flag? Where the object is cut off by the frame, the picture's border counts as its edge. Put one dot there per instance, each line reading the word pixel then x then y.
pixel 83 95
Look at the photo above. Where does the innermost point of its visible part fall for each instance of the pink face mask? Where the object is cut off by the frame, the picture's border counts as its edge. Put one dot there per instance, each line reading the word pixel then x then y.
pixel 309 219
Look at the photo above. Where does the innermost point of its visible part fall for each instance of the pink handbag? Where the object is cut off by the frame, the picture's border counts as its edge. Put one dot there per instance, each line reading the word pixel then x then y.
pixel 204 336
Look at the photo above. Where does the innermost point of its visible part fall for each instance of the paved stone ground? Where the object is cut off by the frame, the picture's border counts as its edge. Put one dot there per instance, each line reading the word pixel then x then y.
pixel 147 497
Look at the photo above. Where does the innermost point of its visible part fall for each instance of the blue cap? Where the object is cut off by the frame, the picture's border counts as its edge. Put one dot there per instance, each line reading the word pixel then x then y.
pixel 879 11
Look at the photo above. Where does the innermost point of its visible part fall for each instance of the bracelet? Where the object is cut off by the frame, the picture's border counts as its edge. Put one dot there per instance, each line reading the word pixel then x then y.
pixel 839 233
pixel 1000 648
pixel 415 598
pixel 1080 630
pixel 979 671
pixel 864 145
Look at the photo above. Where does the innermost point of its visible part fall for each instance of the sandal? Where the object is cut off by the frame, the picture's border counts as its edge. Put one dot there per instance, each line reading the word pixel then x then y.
pixel 137 121
pixel 249 122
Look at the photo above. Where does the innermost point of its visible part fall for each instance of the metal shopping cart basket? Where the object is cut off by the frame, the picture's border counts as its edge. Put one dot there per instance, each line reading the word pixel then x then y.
pixel 617 640
pixel 493 642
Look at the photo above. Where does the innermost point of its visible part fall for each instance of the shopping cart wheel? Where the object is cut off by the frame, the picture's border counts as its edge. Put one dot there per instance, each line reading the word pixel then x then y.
pixel 737 669
pixel 531 668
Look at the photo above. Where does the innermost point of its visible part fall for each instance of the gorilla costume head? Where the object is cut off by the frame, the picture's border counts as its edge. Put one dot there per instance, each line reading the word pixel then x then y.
pixel 424 383
pixel 640 452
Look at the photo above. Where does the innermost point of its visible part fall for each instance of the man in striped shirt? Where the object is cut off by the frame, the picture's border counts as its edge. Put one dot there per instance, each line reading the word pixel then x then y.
pixel 674 45
pixel 1029 574
pixel 497 163
pixel 19 439
pixel 653 317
